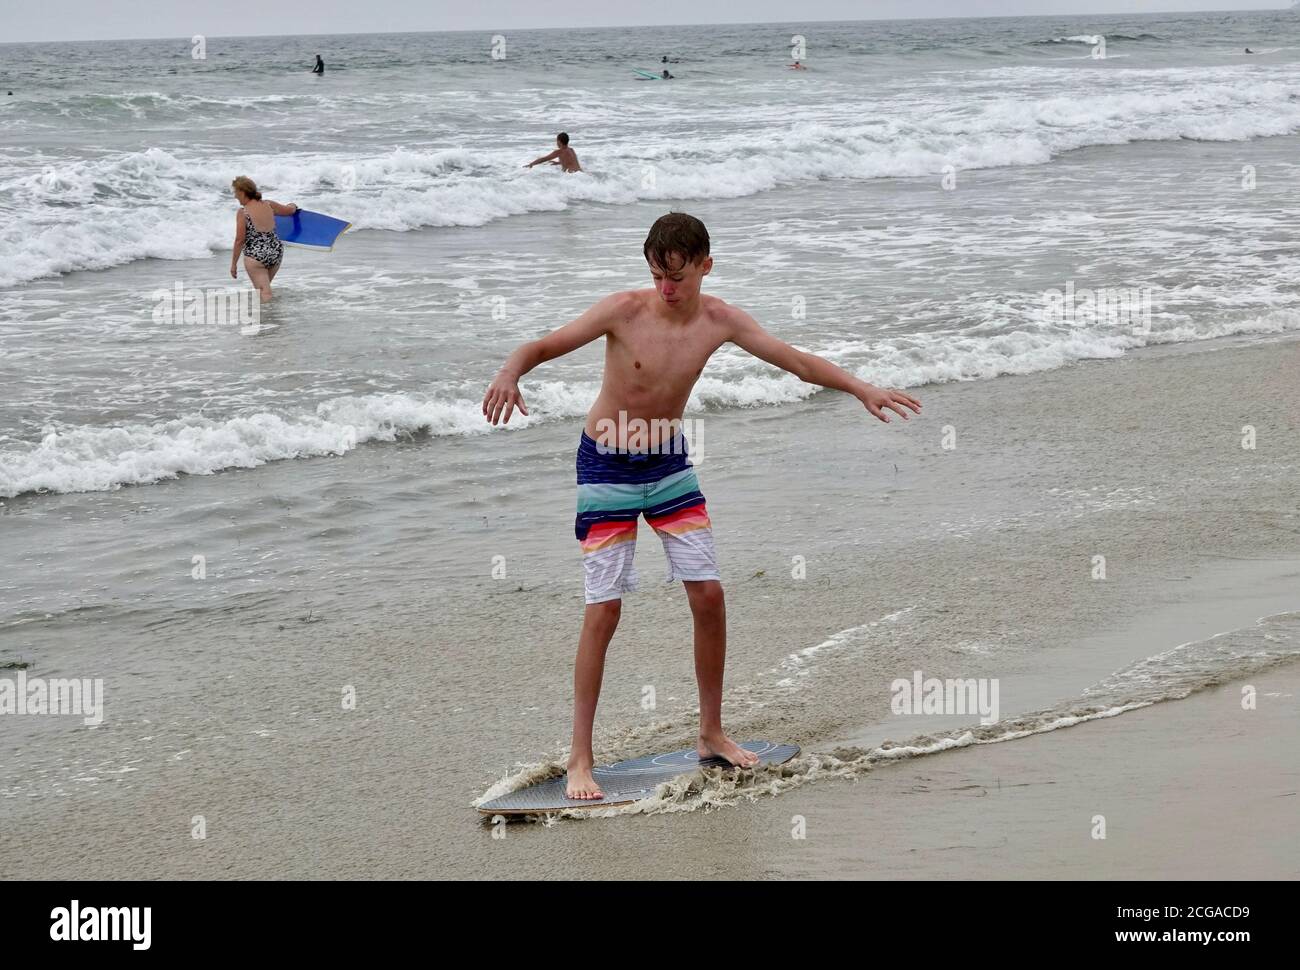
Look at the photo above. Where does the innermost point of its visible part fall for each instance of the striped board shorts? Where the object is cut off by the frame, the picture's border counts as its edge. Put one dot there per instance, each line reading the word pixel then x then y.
pixel 614 489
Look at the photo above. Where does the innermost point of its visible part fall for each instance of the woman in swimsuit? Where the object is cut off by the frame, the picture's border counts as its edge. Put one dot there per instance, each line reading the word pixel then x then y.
pixel 255 236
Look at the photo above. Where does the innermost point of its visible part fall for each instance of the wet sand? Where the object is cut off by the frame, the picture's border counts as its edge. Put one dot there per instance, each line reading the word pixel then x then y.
pixel 1190 789
pixel 983 571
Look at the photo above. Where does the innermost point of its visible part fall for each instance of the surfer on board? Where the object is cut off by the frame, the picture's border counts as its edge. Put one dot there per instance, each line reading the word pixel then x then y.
pixel 632 460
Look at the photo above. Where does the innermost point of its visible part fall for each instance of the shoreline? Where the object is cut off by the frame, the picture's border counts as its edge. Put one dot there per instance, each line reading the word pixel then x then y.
pixel 1189 789
pixel 455 689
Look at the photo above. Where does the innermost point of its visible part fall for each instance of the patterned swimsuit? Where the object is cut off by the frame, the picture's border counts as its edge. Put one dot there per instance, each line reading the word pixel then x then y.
pixel 265 247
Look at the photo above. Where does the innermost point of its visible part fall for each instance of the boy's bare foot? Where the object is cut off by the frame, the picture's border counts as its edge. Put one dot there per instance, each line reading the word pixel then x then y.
pixel 723 747
pixel 581 784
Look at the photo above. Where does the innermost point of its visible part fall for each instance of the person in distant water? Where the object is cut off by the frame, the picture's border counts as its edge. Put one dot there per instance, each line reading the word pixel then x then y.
pixel 563 156
pixel 796 66
pixel 255 236
pixel 1249 51
pixel 320 66
pixel 666 75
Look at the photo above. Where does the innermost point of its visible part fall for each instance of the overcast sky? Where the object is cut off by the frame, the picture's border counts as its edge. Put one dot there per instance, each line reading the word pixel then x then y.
pixel 29 20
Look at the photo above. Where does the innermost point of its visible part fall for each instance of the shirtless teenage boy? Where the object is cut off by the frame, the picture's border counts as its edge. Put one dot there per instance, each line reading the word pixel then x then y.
pixel 657 342
pixel 563 156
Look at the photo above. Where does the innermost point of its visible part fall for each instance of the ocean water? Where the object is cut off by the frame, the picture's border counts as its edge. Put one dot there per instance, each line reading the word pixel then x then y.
pixel 118 156
pixel 901 208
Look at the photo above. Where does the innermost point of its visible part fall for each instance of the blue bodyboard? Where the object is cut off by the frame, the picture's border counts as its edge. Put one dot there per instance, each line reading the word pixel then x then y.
pixel 310 229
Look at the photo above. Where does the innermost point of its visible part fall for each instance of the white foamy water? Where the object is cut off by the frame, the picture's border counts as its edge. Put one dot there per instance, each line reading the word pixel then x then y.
pixel 902 209
pixel 826 187
pixel 67 213
pixel 86 458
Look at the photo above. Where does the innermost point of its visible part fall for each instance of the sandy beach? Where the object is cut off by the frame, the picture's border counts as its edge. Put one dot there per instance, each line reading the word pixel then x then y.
pixel 290 786
pixel 1192 789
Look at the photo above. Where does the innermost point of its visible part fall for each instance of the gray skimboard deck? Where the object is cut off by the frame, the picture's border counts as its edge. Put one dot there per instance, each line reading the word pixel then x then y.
pixel 627 781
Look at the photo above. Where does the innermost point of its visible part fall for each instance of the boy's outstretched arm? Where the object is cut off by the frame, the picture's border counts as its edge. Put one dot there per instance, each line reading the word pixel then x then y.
pixel 503 395
pixel 748 335
pixel 545 158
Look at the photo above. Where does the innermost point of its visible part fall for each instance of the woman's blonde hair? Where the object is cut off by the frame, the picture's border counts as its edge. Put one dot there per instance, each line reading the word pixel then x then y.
pixel 247 186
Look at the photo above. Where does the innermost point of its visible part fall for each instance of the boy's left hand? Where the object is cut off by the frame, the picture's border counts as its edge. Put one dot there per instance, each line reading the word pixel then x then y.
pixel 876 399
pixel 502 398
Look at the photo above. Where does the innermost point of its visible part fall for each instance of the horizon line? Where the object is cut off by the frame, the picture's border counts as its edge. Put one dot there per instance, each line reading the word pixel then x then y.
pixel 721 23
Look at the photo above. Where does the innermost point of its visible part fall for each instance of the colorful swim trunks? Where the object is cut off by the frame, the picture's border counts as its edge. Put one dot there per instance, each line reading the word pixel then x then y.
pixel 614 489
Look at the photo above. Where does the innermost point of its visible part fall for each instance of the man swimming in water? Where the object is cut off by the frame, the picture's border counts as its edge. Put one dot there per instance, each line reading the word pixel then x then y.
pixel 320 66
pixel 632 460
pixel 563 156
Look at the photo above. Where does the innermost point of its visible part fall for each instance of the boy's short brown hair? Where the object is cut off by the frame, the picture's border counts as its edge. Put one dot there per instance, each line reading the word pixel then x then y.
pixel 676 233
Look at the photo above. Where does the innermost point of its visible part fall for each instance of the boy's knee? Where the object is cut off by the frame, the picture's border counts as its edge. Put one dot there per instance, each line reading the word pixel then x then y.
pixel 705 595
pixel 606 612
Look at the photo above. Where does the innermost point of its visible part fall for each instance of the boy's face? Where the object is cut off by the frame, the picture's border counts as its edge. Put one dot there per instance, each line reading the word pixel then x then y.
pixel 680 281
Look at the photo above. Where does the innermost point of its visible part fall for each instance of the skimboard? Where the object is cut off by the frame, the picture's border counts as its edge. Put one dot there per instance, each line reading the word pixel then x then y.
pixel 311 230
pixel 627 781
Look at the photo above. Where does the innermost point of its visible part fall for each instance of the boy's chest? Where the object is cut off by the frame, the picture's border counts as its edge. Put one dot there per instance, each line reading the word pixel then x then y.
pixel 656 355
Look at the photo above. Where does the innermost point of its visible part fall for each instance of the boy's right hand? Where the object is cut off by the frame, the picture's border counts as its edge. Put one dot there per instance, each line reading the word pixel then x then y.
pixel 502 398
